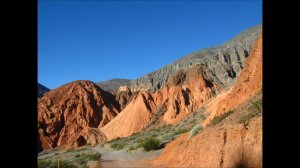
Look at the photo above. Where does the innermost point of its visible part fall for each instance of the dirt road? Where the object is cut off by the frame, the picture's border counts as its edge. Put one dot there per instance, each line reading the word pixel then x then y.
pixel 124 159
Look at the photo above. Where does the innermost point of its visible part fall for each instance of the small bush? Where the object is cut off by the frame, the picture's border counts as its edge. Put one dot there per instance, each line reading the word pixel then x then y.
pixel 180 131
pixel 256 106
pixel 140 140
pixel 43 164
pixel 84 158
pixel 150 143
pixel 195 130
pixel 218 119
pixel 255 110
pixel 54 164
pixel 131 148
pixel 65 164
pixel 118 146
pixel 167 136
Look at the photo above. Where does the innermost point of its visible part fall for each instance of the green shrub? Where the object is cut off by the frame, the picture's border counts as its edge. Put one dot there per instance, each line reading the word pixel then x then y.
pixel 131 148
pixel 180 131
pixel 167 136
pixel 54 164
pixel 43 164
pixel 118 146
pixel 221 117
pixel 84 158
pixel 140 140
pixel 150 143
pixel 65 164
pixel 255 110
pixel 195 130
pixel 256 106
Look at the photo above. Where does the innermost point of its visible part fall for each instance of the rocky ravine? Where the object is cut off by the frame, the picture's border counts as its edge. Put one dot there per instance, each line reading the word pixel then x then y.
pixel 70 115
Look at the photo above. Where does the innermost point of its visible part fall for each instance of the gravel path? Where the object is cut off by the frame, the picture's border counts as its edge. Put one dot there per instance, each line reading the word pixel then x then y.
pixel 124 159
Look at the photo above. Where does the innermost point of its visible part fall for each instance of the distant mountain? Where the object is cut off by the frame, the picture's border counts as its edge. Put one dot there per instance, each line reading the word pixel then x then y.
pixel 42 90
pixel 113 84
pixel 225 62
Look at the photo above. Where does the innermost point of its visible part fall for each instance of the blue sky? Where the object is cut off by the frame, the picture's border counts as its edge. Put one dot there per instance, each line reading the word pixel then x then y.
pixel 101 40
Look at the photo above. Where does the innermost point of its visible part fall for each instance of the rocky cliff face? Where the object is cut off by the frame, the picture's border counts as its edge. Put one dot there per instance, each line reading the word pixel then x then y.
pixel 70 115
pixel 225 62
pixel 185 91
pixel 113 84
pixel 42 90
pixel 124 96
pixel 248 83
pixel 229 143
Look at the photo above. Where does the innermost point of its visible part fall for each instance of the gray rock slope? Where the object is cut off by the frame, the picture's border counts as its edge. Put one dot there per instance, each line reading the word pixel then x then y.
pixel 42 90
pixel 113 84
pixel 224 62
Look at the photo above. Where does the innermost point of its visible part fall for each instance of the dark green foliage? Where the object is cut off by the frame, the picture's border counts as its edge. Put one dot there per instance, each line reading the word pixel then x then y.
pixel 150 143
pixel 219 118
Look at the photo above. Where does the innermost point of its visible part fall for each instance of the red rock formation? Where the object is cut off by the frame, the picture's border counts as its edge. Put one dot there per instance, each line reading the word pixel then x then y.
pixel 124 96
pixel 247 84
pixel 229 144
pixel 88 135
pixel 72 110
pixel 185 92
pixel 133 118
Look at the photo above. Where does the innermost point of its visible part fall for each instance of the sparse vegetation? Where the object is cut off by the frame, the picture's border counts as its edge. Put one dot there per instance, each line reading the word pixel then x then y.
pixel 255 110
pixel 180 131
pixel 118 146
pixel 150 143
pixel 84 158
pixel 256 106
pixel 131 148
pixel 54 164
pixel 164 133
pixel 69 158
pixel 195 130
pixel 219 118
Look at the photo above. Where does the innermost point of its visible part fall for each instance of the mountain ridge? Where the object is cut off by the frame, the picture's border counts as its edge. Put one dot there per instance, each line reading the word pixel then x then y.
pixel 42 90
pixel 225 61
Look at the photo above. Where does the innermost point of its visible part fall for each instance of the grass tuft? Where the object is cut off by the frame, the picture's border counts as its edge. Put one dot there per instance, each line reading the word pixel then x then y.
pixel 221 117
